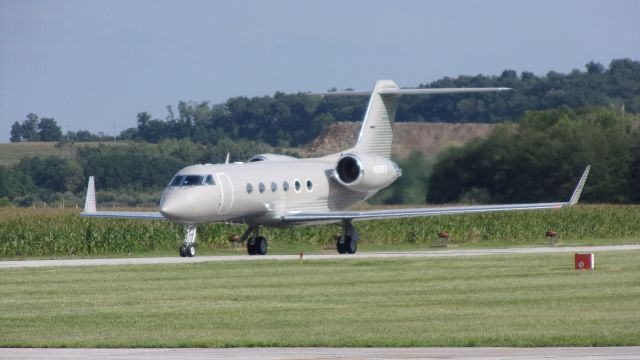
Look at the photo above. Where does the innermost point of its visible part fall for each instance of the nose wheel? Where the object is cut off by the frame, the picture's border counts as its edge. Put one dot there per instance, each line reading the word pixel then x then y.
pixel 188 248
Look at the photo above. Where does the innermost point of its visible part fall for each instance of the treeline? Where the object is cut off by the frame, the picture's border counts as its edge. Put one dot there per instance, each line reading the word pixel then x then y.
pixel 539 159
pixel 289 120
pixel 542 158
pixel 34 128
pixel 295 119
pixel 126 173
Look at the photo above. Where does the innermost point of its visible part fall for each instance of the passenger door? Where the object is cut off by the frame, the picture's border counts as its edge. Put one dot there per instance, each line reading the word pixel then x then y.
pixel 226 193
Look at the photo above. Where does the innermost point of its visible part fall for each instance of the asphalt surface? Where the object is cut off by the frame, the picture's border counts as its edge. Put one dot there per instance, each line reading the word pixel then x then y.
pixel 361 255
pixel 612 353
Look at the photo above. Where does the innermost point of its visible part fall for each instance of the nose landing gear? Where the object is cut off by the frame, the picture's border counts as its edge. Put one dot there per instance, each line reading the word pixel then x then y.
pixel 188 248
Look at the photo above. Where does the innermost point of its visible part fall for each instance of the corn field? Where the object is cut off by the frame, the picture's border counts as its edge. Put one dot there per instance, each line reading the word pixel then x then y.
pixel 62 232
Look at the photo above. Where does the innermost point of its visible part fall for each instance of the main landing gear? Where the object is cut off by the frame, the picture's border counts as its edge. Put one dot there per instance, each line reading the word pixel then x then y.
pixel 256 243
pixel 188 248
pixel 347 242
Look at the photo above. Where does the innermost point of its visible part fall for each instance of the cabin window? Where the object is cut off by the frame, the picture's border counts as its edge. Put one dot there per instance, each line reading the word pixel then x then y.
pixel 249 188
pixel 191 180
pixel 296 185
pixel 176 180
pixel 261 187
pixel 209 180
pixel 274 186
pixel 285 186
pixel 309 185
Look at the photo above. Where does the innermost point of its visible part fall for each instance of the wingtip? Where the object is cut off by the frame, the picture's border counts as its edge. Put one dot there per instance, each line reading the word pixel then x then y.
pixel 575 197
pixel 90 200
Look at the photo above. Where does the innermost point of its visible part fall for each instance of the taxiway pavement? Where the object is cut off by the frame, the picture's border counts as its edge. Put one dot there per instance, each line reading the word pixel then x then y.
pixel 594 353
pixel 361 255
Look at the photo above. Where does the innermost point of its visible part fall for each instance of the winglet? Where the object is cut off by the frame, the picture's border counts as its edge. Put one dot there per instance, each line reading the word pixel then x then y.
pixel 576 193
pixel 90 201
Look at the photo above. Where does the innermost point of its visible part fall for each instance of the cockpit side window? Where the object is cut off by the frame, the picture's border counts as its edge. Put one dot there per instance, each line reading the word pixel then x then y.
pixel 176 180
pixel 209 180
pixel 191 180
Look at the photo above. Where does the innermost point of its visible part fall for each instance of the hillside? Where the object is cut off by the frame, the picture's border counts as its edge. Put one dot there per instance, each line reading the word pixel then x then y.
pixel 11 153
pixel 428 138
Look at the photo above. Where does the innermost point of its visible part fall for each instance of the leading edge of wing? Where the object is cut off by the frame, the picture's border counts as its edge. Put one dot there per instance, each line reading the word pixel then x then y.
pixel 303 217
pixel 124 215
pixel 412 212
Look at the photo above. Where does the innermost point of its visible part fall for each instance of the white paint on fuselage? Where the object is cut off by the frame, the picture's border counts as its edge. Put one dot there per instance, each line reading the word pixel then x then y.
pixel 212 203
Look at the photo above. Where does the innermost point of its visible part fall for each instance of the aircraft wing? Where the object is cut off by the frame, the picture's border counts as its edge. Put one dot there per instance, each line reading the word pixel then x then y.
pixel 307 217
pixel 124 214
pixel 90 208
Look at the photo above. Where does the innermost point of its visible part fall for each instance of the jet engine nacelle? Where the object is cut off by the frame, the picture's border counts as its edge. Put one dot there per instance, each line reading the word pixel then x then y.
pixel 365 173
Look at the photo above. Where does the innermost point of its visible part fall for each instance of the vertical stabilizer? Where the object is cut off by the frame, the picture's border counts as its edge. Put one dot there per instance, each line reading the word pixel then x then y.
pixel 90 201
pixel 376 134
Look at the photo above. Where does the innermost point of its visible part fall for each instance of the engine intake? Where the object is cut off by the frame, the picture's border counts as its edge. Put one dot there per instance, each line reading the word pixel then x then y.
pixel 365 173
pixel 349 169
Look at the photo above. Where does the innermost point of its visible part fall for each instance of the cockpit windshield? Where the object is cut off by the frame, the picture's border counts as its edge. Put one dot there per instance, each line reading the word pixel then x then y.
pixel 176 181
pixel 192 180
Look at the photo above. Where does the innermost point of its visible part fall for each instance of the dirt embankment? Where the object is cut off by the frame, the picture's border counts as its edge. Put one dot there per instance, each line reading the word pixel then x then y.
pixel 428 138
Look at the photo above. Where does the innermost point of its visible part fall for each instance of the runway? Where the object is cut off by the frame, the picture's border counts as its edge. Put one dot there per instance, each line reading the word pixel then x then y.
pixel 613 353
pixel 360 255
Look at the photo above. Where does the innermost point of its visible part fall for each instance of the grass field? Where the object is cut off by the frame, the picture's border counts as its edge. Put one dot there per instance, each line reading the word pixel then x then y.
pixel 36 233
pixel 11 153
pixel 511 300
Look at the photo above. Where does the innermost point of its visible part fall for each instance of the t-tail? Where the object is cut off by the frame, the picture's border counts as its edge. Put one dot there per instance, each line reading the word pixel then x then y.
pixel 376 134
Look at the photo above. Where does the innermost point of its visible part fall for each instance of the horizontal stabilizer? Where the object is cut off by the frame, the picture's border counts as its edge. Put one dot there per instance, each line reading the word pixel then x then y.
pixel 397 91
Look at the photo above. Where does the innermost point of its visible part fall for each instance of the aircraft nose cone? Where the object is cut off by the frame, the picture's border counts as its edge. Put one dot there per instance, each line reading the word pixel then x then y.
pixel 174 207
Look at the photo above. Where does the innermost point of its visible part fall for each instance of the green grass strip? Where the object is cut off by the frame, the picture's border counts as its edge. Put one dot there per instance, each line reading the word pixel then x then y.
pixel 510 300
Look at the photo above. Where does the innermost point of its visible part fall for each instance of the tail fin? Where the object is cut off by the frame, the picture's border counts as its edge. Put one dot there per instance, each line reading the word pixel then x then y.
pixel 376 134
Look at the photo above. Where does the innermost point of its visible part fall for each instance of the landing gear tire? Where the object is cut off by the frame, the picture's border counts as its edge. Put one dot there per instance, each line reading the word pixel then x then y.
pixel 346 245
pixel 188 247
pixel 191 250
pixel 340 245
pixel 347 242
pixel 251 245
pixel 351 245
pixel 261 245
pixel 257 245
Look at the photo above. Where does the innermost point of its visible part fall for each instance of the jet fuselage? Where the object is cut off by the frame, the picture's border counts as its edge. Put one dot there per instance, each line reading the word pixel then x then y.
pixel 258 192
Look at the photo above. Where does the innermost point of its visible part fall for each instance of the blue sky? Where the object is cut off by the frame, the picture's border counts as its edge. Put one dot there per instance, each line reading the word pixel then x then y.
pixel 95 64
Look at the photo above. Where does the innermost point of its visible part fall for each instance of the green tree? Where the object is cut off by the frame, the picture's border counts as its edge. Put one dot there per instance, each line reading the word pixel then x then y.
pixel 52 173
pixel 49 130
pixel 16 132
pixel 30 128
pixel 541 159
